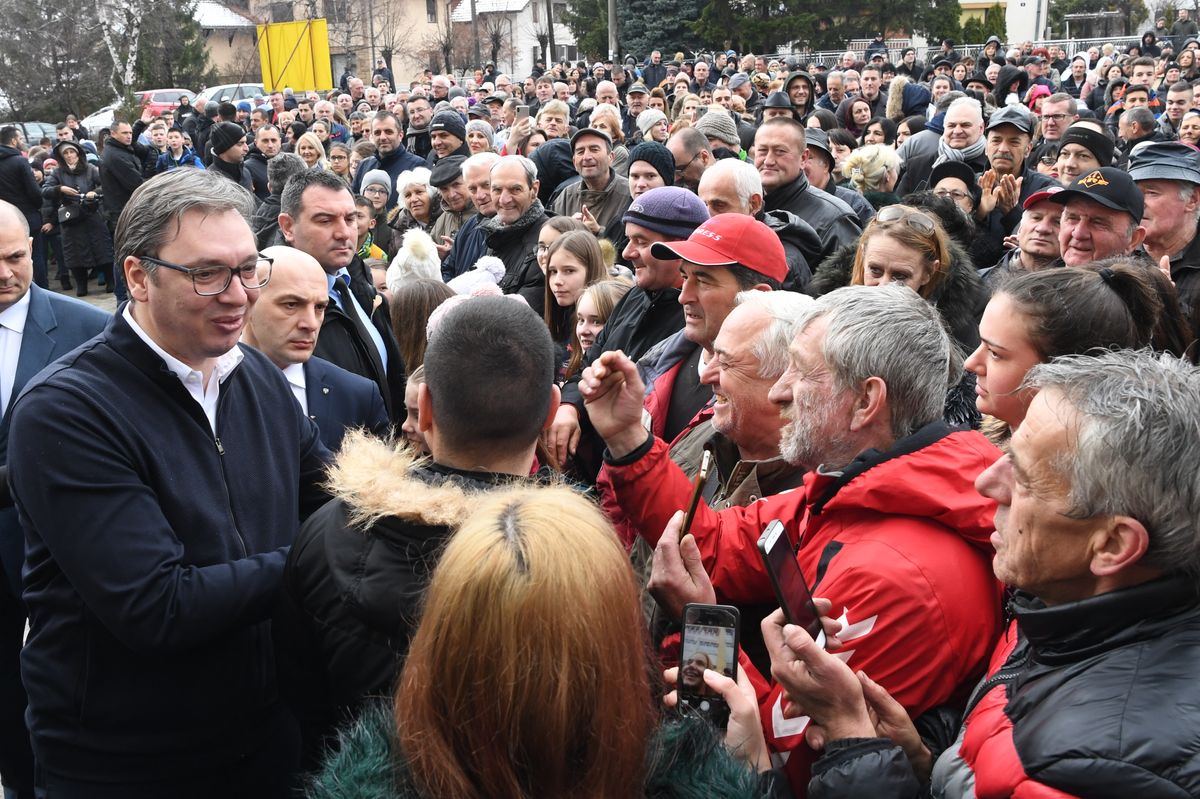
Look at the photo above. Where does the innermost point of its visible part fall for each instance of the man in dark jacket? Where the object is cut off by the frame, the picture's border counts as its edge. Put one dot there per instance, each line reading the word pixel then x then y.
pixel 470 243
pixel 148 665
pixel 392 157
pixel 962 140
pixel 266 146
pixel 778 155
pixel 1090 691
pixel 282 168
pixel 1008 135
pixel 317 215
pixel 655 71
pixel 447 136
pixel 1168 176
pixel 512 234
pixel 120 175
pixel 228 144
pixel 352 592
pixel 19 188
pixel 818 168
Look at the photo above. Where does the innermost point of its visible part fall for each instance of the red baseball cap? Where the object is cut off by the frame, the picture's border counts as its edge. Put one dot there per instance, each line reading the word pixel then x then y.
pixel 1038 196
pixel 727 239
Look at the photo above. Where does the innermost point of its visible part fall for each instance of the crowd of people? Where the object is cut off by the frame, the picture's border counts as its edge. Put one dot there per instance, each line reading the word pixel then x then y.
pixel 373 483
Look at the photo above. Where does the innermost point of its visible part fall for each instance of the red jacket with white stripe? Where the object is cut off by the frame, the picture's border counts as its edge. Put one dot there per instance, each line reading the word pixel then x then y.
pixel 897 540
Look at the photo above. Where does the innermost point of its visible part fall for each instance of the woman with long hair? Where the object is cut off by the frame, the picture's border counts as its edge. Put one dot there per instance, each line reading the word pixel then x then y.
pixel 413 301
pixel 312 151
pixel 530 676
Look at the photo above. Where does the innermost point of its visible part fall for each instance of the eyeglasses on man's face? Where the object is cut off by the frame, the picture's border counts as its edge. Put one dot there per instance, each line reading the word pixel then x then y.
pixel 208 281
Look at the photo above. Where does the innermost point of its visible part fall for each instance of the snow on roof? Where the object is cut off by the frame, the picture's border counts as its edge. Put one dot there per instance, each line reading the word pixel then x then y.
pixel 463 12
pixel 211 14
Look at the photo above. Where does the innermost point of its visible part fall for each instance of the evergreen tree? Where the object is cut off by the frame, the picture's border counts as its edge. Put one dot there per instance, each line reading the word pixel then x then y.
pixel 171 51
pixel 588 22
pixel 644 26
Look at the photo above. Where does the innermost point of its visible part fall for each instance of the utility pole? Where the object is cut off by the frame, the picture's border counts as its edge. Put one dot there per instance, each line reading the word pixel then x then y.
pixel 475 34
pixel 550 56
pixel 612 30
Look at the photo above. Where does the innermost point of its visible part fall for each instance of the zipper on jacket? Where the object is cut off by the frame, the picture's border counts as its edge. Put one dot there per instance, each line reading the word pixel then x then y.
pixel 1007 673
pixel 220 449
pixel 224 476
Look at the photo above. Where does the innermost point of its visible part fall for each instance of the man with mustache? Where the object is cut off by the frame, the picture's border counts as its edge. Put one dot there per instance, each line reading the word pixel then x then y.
pixel 1009 182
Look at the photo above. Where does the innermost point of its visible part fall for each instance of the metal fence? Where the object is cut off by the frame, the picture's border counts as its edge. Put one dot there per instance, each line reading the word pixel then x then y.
pixel 896 46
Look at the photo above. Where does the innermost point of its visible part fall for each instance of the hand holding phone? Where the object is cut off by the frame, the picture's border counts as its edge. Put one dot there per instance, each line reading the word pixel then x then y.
pixel 710 641
pixel 788 581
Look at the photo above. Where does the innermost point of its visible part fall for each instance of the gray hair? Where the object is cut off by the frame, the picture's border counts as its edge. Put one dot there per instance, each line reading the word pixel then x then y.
pixel 282 168
pixel 1142 117
pixel 745 178
pixel 786 310
pixel 1135 452
pixel 527 165
pixel 485 160
pixel 969 103
pixel 866 325
pixel 154 214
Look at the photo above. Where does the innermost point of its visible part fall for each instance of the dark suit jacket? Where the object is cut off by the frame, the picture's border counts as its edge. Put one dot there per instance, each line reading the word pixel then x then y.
pixel 55 326
pixel 339 400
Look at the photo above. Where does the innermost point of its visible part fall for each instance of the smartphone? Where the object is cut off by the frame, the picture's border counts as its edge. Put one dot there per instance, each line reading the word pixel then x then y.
pixel 699 112
pixel 790 588
pixel 697 489
pixel 710 641
pixel 522 112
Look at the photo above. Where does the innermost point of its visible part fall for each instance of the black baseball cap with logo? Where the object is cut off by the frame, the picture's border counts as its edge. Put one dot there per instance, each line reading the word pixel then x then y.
pixel 1109 186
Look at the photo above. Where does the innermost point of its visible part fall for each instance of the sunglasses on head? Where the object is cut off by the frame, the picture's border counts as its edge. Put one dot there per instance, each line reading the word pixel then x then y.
pixel 917 220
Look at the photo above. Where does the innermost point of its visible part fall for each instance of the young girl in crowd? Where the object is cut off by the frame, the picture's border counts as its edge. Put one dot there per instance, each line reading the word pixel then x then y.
pixel 591 314
pixel 573 263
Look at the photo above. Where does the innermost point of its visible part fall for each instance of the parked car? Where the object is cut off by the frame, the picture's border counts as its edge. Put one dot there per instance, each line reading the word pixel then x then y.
pixel 33 132
pixel 229 91
pixel 161 100
pixel 100 119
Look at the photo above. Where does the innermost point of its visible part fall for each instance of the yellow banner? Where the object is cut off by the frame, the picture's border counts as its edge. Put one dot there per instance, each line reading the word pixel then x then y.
pixel 295 54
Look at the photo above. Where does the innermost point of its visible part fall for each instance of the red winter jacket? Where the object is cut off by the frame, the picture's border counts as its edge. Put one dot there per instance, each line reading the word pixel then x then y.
pixel 897 540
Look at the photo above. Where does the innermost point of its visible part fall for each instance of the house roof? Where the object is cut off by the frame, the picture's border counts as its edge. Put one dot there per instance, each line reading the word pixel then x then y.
pixel 213 15
pixel 462 13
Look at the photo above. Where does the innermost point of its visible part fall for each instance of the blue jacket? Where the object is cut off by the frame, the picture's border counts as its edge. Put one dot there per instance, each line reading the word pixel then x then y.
pixel 154 554
pixel 469 246
pixel 167 162
pixel 339 400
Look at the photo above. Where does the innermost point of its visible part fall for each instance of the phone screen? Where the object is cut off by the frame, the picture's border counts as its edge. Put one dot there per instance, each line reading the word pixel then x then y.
pixel 710 641
pixel 790 588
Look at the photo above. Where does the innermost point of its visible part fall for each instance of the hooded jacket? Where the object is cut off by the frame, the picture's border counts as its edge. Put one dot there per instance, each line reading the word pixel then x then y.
pixel 516 246
pixel 356 576
pixel 801 113
pixel 922 625
pixel 1009 75
pixel 685 760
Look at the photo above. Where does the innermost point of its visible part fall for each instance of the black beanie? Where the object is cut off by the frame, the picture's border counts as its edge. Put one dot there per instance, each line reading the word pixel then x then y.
pixel 451 122
pixel 224 135
pixel 657 156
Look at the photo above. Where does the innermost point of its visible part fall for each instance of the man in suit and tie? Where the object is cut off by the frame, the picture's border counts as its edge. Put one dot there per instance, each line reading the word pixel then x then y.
pixel 36 327
pixel 318 216
pixel 284 325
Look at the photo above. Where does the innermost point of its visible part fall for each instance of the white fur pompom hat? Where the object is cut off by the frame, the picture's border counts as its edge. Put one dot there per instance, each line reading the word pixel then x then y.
pixel 418 258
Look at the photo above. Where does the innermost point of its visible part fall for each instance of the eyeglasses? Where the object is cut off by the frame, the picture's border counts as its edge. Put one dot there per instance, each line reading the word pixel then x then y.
pixel 679 170
pixel 958 195
pixel 339 157
pixel 375 190
pixel 1053 117
pixel 209 281
pixel 917 220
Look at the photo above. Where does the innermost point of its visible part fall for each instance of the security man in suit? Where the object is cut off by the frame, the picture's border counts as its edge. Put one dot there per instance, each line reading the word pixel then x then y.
pixel 284 325
pixel 36 327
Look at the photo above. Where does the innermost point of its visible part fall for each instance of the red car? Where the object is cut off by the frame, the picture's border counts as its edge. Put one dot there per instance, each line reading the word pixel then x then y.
pixel 161 100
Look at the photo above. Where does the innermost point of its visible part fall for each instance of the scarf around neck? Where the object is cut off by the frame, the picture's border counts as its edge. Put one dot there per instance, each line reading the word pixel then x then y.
pixel 947 153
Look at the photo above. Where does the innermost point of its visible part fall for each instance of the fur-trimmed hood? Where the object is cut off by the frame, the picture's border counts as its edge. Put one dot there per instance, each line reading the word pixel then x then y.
pixel 375 479
pixel 960 299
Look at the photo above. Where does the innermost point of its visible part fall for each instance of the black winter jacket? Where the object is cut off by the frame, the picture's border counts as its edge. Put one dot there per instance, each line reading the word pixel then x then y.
pixel 356 577
pixel 801 246
pixel 152 660
pixel 256 165
pixel 835 222
pixel 120 174
pixel 17 184
pixel 516 246
pixel 1091 698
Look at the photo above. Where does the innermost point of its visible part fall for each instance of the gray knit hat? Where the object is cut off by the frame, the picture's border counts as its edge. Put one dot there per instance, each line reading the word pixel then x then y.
pixel 719 125
pixel 376 176
pixel 649 118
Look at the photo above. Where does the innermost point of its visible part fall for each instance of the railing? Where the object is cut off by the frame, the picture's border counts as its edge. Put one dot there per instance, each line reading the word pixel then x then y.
pixel 895 46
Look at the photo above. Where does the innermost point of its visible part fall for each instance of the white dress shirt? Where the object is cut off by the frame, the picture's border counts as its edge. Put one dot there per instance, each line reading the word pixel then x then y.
pixel 296 379
pixel 193 379
pixel 12 331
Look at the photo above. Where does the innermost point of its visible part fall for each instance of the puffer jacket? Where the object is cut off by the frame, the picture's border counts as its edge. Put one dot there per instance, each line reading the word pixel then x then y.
pixel 801 246
pixel 1094 698
pixel 922 626
pixel 685 760
pixel 356 576
pixel 516 246
pixel 835 222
